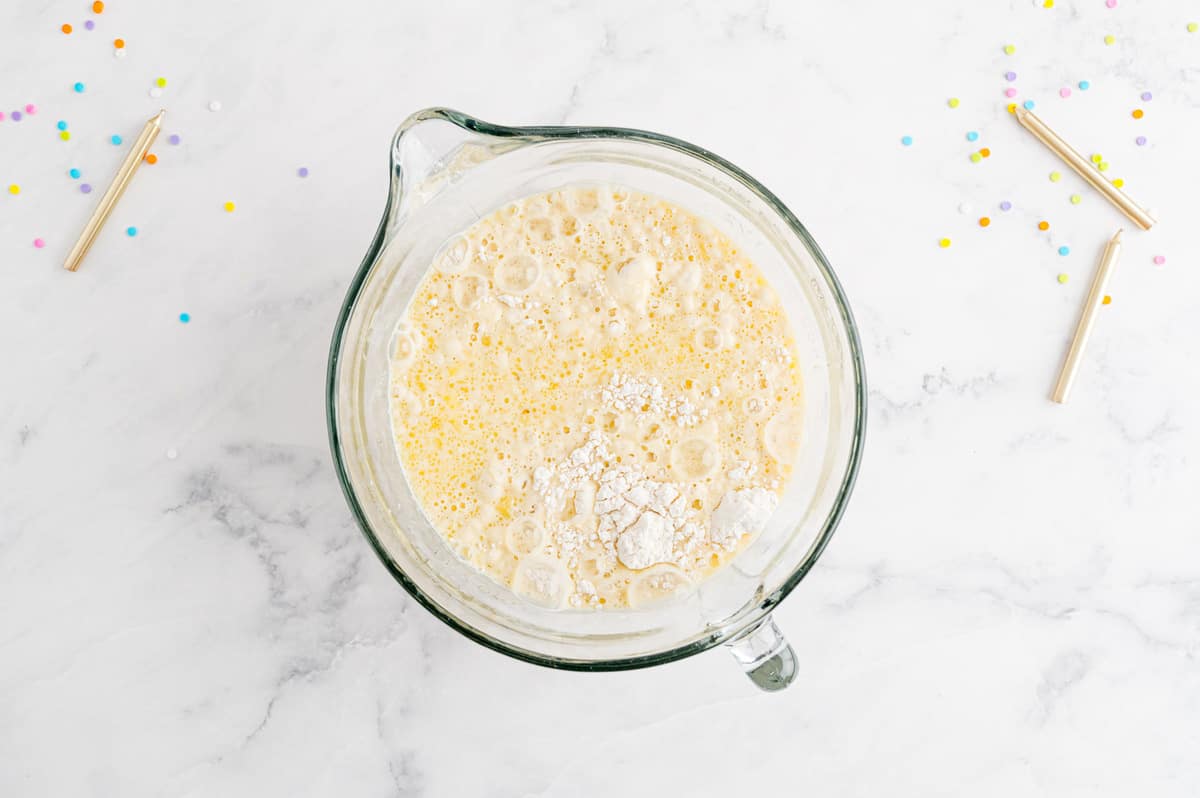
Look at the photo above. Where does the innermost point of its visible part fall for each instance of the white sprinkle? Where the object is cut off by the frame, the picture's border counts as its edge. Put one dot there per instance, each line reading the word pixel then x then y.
pixel 214 105
pixel 172 454
pixel 156 92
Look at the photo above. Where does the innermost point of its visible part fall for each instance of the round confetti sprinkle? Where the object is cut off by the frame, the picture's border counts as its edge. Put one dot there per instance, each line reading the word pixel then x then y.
pixel 119 53
pixel 1009 49
pixel 1192 27
pixel 115 139
pixel 74 173
pixel 214 105
pixel 1043 225
pixel 1062 278
pixel 976 157
pixel 302 171
pixel 1076 199
pixel 1028 105
pixel 964 207
pixel 945 242
pixel 85 188
pixel 185 318
pixel 1047 3
pixel 14 189
pixel 1084 85
pixel 1147 96
pixel 1110 3
pixel 174 139
pixel 66 28
pixel 65 135
pixel 1138 113
pixel 1010 92
pixel 161 83
pixel 1064 250
pixel 1102 166
pixel 172 453
pixel 1010 76
pixel 1064 92
pixel 1118 182
pixel 984 221
pixel 39 243
pixel 1097 157
pixel 1012 108
pixel 972 135
pixel 1006 206
pixel 151 158
pixel 89 25
pixel 1055 177
pixel 985 152
pixel 1140 141
pixel 952 102
pixel 131 231
pixel 31 109
pixel 1107 300
pixel 229 206
pixel 1 116
pixel 906 140
pixel 98 7
pixel 61 125
pixel 155 92
pixel 1159 260
pixel 79 87
pixel 16 116
pixel 118 43
pixel 1110 39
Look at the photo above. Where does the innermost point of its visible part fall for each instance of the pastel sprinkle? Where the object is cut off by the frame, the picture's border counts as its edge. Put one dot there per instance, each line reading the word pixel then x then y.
pixel 1076 199
pixel 1138 113
pixel 1055 177
pixel 65 135
pixel 1 116
pixel 302 171
pixel 1012 108
pixel 1010 92
pixel 85 188
pixel 952 102
pixel 1062 278
pixel 155 92
pixel 1097 157
pixel 964 207
pixel 31 109
pixel 119 43
pixel 151 158
pixel 985 152
pixel 118 53
pixel 1084 85
pixel 1107 300
pixel 906 141
pixel 1064 92
pixel 1118 182
pixel 1147 96
pixel 1064 250
pixel 1028 105
pixel 174 139
pixel 14 189
pixel 229 206
pixel 185 317
pixel 61 125
pixel 74 173
pixel 1192 27
pixel 214 105
pixel 1047 3
pixel 1009 49
pixel 79 87
pixel 1140 141
pixel 1043 225
pixel 89 25
pixel 131 231
pixel 98 7
pixel 1010 76
pixel 115 139
pixel 1102 166
pixel 976 157
pixel 1110 39
pixel 945 242
pixel 16 116
pixel 1006 205
pixel 39 243
pixel 1159 260
pixel 984 221
pixel 66 28
pixel 972 135
pixel 1110 3
pixel 161 83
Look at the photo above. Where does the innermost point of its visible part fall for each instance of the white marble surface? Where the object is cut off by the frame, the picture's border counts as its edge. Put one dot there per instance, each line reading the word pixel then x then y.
pixel 1012 604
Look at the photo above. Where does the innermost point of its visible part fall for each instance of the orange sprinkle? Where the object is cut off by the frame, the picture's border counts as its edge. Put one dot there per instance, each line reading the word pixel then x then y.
pixel 1137 113
pixel 1107 300
pixel 984 221
pixel 1043 225
pixel 985 152
pixel 151 158
pixel 66 28
pixel 118 43
pixel 98 7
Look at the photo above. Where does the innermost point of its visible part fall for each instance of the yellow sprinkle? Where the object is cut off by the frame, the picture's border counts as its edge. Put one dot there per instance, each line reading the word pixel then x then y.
pixel 1193 27
pixel 976 157
pixel 952 102
pixel 1110 39
pixel 1062 278
pixel 945 242
pixel 1009 49
pixel 65 135
pixel 161 83
pixel 1102 166
pixel 1076 199
pixel 1055 177
pixel 1012 108
pixel 1107 300
pixel 1118 182
pixel 14 189
pixel 1048 4
pixel 1097 158
pixel 229 206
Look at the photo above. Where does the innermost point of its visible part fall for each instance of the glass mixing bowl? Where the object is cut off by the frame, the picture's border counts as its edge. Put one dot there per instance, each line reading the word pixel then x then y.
pixel 447 171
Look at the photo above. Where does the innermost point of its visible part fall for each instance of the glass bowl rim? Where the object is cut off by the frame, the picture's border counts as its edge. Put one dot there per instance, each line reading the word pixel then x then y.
pixel 540 133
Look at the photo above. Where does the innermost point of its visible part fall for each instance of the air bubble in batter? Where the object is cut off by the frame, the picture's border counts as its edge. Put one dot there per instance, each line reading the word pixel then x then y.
pixel 468 291
pixel 516 275
pixel 523 536
pixel 695 458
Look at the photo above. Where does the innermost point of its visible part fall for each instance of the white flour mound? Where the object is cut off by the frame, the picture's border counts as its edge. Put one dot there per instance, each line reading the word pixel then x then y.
pixel 740 512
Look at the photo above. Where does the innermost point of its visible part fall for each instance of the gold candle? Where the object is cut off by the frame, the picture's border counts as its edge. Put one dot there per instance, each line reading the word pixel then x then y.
pixel 1087 319
pixel 1084 168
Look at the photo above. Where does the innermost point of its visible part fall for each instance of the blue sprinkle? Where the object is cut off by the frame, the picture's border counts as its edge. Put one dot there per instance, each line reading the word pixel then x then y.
pixel 1028 105
pixel 1084 85
pixel 1006 205
pixel 906 140
pixel 74 173
pixel 116 140
pixel 1064 250
pixel 131 231
pixel 61 125
pixel 972 135
pixel 79 88
pixel 185 317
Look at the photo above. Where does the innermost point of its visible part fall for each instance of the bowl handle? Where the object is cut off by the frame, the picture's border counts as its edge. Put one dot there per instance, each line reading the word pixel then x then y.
pixel 765 655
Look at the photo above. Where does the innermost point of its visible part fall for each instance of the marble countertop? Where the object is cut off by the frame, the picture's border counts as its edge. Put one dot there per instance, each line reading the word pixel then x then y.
pixel 1011 605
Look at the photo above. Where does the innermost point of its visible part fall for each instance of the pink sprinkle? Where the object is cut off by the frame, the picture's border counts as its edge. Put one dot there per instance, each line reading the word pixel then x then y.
pixel 1159 260
pixel 39 243
pixel 1110 3
pixel 1064 92
pixel 31 109
pixel 1 116
pixel 1010 92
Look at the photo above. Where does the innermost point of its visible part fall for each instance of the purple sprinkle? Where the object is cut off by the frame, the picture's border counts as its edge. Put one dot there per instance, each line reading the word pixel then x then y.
pixel 86 188
pixel 90 25
pixel 302 171
pixel 1010 76
pixel 1141 141
pixel 1006 205
pixel 1147 96
pixel 16 116
pixel 174 138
